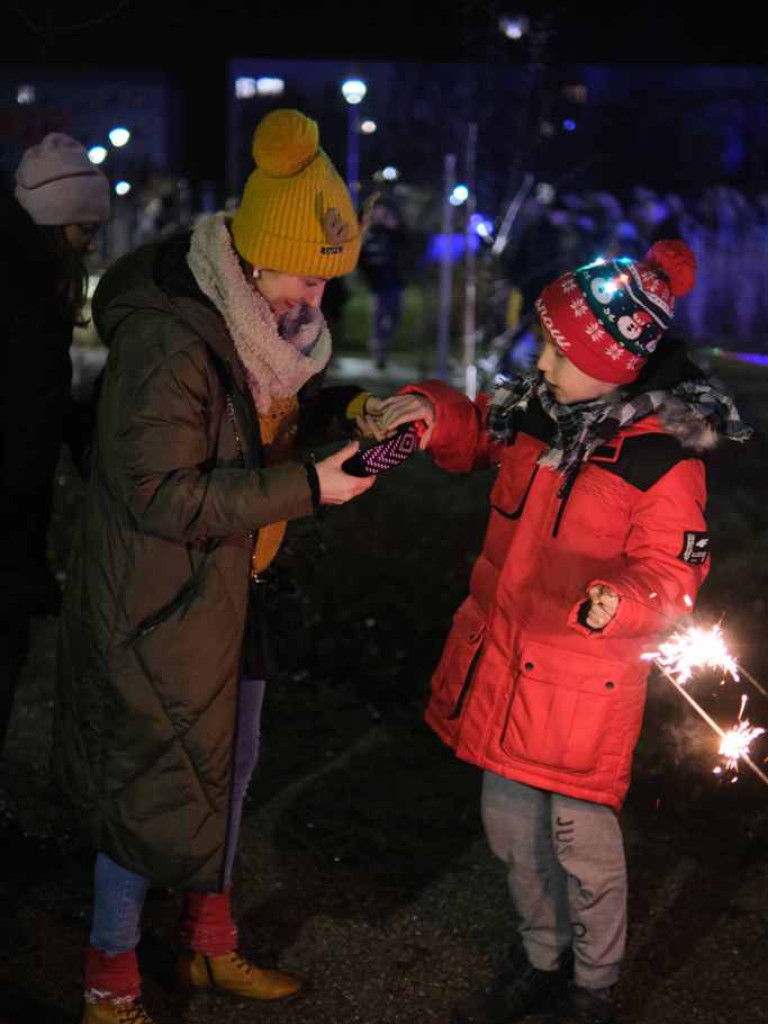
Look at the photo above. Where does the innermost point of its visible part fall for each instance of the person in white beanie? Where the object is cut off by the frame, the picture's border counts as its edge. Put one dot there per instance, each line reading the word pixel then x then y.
pixel 68 196
pixel 61 201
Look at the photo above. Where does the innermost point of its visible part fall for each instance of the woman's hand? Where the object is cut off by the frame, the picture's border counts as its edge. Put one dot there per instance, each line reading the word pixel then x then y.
pixel 336 486
pixel 604 603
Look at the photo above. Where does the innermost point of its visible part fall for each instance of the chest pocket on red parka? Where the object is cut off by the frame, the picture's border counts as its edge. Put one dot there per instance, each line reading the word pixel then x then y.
pixel 517 469
pixel 508 499
pixel 564 710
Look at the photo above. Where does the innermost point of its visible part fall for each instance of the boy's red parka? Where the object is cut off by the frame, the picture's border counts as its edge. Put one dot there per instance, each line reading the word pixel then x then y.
pixel 524 688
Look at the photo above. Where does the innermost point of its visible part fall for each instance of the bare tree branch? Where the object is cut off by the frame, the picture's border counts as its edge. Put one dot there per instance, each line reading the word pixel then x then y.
pixel 51 29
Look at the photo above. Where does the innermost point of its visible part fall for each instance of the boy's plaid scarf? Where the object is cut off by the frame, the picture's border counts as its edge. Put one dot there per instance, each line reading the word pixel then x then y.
pixel 584 426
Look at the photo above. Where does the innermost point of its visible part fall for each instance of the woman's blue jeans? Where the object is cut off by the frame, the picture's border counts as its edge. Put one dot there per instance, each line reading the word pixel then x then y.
pixel 119 894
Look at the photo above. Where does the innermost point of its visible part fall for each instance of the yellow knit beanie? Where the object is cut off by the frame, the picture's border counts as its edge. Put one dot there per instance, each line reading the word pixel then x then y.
pixel 296 215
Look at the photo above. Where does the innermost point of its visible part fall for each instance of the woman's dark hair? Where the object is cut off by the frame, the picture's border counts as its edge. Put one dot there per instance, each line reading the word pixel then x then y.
pixel 71 275
pixel 44 260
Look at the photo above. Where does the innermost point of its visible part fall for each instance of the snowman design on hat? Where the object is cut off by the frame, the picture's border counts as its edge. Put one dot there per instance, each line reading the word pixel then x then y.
pixel 632 326
pixel 615 299
pixel 603 289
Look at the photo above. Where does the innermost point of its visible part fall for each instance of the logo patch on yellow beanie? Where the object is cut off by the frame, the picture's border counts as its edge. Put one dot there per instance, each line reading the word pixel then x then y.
pixel 337 231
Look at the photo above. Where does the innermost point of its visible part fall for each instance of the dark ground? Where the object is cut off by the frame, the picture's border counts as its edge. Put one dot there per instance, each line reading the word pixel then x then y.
pixel 363 866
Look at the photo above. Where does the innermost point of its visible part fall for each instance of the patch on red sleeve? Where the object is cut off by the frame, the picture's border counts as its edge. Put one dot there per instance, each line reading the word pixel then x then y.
pixel 695 549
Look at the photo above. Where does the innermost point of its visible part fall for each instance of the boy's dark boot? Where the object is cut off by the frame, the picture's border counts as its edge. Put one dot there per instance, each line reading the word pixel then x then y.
pixel 518 989
pixel 583 1006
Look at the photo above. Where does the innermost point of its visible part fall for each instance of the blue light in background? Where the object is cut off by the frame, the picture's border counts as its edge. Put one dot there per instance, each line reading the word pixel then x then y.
pixel 759 358
pixel 456 246
pixel 569 124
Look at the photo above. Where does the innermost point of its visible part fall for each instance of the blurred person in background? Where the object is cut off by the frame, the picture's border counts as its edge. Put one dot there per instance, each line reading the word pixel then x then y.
pixel 50 224
pixel 382 267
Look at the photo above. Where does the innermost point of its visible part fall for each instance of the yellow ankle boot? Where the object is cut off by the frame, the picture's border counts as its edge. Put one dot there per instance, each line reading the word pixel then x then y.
pixel 131 1012
pixel 231 973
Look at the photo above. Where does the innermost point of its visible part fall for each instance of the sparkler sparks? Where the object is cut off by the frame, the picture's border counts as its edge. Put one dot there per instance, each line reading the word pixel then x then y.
pixel 693 649
pixel 736 742
pixel 696 648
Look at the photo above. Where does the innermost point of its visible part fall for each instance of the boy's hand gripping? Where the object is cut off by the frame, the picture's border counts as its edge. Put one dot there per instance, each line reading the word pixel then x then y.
pixel 603 605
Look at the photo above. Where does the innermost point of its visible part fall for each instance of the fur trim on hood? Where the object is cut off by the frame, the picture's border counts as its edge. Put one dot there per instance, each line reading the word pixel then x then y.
pixel 692 407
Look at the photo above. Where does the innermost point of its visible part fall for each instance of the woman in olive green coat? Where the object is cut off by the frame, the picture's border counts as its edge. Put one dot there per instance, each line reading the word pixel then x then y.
pixel 217 346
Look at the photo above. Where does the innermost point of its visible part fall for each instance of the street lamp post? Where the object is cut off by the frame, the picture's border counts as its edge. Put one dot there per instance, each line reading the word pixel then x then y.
pixel 121 224
pixel 353 153
pixel 470 278
pixel 353 90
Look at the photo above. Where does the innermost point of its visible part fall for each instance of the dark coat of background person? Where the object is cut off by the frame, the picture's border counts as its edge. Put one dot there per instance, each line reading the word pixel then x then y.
pixel 35 380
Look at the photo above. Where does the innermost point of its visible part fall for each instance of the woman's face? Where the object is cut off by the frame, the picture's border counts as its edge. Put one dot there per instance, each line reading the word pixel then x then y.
pixel 568 383
pixel 286 291
pixel 82 237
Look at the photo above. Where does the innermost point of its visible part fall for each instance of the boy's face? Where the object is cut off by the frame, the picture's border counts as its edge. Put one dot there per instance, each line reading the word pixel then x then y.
pixel 568 383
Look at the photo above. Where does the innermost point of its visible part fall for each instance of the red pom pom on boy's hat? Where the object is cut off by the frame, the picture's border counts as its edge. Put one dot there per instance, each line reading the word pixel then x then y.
pixel 609 316
pixel 677 262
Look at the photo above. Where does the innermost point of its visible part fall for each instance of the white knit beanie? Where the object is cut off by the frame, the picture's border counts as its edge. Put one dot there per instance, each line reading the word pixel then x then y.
pixel 57 184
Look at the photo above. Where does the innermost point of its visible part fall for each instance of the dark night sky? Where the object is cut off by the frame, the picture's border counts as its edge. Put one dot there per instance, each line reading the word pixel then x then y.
pixel 195 33
pixel 193 39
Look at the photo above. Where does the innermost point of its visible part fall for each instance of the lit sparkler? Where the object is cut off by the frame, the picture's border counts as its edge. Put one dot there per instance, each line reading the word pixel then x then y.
pixel 697 648
pixel 693 649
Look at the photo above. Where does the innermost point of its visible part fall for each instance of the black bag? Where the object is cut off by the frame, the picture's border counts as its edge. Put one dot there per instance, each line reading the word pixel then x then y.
pixel 276 625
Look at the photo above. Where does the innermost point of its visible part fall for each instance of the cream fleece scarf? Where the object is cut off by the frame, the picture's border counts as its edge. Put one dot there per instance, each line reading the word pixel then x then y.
pixel 274 368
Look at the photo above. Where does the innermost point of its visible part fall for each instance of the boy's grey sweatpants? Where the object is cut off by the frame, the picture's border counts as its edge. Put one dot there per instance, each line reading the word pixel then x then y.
pixel 567 876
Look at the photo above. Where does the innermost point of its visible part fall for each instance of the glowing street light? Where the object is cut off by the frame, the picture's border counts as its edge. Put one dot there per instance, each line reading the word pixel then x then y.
pixel 368 127
pixel 390 173
pixel 97 154
pixel 122 188
pixel 245 88
pixel 25 95
pixel 270 86
pixel 119 137
pixel 459 195
pixel 545 193
pixel 514 26
pixel 481 225
pixel 354 91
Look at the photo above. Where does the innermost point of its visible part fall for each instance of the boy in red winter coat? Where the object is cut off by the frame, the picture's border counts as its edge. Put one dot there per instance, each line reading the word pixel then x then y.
pixel 596 544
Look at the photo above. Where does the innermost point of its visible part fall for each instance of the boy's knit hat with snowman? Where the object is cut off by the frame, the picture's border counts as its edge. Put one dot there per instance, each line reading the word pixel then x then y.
pixel 609 316
pixel 296 214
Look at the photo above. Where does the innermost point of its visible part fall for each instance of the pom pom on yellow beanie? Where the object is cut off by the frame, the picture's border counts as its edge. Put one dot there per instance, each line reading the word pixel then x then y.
pixel 285 142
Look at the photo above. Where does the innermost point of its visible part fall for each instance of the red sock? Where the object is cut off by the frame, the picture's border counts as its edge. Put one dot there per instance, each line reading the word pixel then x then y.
pixel 206 923
pixel 111 979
